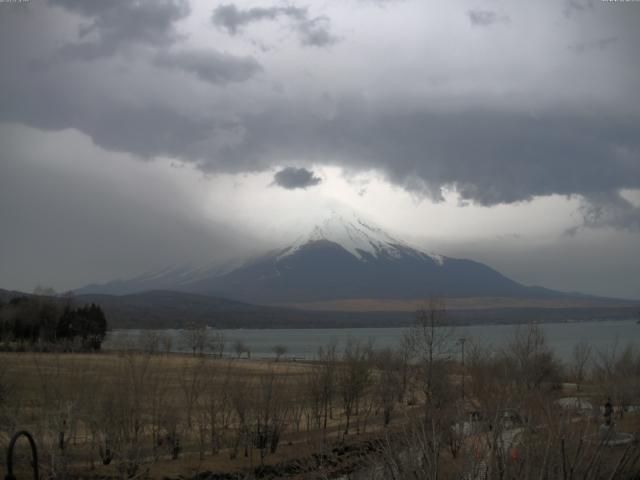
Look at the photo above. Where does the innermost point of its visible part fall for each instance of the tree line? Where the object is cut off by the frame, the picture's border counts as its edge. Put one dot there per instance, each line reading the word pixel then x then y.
pixel 45 321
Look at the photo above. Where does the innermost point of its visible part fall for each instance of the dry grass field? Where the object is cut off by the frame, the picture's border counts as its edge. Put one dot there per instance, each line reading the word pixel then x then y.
pixel 371 414
pixel 138 405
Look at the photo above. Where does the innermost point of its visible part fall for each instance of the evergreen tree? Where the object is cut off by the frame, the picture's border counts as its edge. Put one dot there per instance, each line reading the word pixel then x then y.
pixel 30 319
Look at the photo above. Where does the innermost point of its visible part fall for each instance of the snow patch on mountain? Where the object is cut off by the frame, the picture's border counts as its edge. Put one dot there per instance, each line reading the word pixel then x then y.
pixel 362 239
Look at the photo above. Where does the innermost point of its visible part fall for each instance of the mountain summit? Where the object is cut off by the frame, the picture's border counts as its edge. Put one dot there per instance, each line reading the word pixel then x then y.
pixel 342 257
pixel 362 239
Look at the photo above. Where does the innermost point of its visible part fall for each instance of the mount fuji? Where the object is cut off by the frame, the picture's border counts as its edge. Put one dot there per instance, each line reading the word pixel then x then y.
pixel 342 257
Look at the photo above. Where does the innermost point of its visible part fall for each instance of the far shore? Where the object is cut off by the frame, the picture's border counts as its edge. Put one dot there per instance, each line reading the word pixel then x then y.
pixel 459 303
pixel 458 318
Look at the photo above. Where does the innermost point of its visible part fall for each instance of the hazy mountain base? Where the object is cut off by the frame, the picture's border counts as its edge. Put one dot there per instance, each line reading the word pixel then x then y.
pixel 176 310
pixel 166 309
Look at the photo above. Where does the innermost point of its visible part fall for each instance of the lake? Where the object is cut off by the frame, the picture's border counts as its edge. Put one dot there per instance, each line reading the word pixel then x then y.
pixel 304 343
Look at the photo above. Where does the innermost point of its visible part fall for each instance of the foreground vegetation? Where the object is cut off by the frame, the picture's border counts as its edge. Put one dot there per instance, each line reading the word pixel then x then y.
pixel 420 411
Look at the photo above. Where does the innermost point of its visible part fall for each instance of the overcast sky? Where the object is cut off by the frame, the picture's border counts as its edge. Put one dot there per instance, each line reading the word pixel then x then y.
pixel 137 135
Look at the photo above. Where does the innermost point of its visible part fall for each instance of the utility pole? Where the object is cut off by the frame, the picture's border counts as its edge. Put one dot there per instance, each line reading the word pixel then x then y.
pixel 462 340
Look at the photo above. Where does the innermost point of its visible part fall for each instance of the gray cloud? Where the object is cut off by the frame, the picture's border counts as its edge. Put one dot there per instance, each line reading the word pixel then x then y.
pixel 145 129
pixel 313 31
pixel 609 209
pixel 232 19
pixel 489 157
pixel 602 262
pixel 485 18
pixel 113 216
pixel 118 23
pixel 383 3
pixel 598 44
pixel 572 7
pixel 292 178
pixel 211 66
pixel 97 98
pixel 490 151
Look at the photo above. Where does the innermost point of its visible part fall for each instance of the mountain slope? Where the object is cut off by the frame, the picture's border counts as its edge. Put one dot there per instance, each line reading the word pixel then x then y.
pixel 172 309
pixel 177 279
pixel 342 257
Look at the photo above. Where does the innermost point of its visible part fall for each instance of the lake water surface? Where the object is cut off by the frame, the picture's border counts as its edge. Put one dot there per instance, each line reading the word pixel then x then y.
pixel 304 343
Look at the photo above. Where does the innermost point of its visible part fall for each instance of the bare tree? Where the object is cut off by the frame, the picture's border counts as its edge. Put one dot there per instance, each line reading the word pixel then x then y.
pixel 166 342
pixel 191 380
pixel 579 360
pixel 11 403
pixel 279 351
pixel 123 412
pixel 430 341
pixel 195 338
pixel 327 358
pixel 354 376
pixel 241 393
pixel 271 411
pixel 313 399
pixel 532 360
pixel 158 402
pixel 149 341
pixel 217 344
pixel 59 410
pixel 404 356
pixel 239 347
pixel 390 371
pixel 617 372
pixel 217 404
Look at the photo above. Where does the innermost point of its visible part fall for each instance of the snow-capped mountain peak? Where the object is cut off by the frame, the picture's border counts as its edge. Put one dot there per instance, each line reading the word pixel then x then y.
pixel 362 239
pixel 342 257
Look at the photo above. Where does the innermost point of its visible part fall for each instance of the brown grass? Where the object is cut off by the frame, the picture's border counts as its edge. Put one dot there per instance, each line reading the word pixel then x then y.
pixel 38 381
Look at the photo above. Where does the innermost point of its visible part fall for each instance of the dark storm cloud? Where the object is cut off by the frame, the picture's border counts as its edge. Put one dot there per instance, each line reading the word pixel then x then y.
pixel 232 19
pixel 113 24
pixel 211 66
pixel 485 18
pixel 292 178
pixel 62 94
pixel 609 209
pixel 141 128
pixel 490 155
pixel 313 31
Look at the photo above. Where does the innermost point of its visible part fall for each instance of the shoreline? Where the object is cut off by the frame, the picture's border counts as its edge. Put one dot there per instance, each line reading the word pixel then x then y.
pixel 384 325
